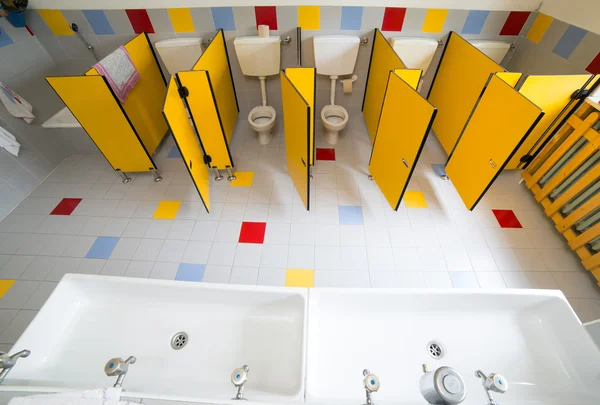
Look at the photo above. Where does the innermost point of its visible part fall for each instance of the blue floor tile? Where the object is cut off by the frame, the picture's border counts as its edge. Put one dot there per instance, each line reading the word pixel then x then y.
pixel 190 272
pixel 174 153
pixel 350 215
pixel 102 247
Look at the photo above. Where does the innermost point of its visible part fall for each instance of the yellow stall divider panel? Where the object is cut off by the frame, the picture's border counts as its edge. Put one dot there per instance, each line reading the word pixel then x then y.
pixel 461 76
pixel 145 101
pixel 551 94
pixel 305 79
pixel 187 142
pixel 383 60
pixel 510 78
pixel 91 101
pixel 500 123
pixel 405 122
pixel 216 62
pixel 201 103
pixel 296 126
pixel 412 77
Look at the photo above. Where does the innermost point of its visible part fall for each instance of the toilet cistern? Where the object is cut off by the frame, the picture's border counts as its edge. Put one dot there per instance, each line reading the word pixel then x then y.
pixel 492 382
pixel 371 384
pixel 239 378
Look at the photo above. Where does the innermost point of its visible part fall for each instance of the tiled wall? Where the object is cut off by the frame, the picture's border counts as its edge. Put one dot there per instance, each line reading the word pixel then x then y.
pixel 23 61
pixel 552 46
pixel 107 29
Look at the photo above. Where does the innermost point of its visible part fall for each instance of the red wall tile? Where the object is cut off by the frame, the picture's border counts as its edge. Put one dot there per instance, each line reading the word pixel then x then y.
pixel 266 15
pixel 515 22
pixel 393 19
pixel 594 67
pixel 140 21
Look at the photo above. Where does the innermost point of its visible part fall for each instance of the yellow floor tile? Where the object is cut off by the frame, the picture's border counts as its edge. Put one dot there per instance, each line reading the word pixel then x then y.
pixel 299 278
pixel 243 179
pixel 414 199
pixel 5 286
pixel 167 210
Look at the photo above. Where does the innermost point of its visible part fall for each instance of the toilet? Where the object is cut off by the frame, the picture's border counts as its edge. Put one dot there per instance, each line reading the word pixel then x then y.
pixel 495 50
pixel 260 57
pixel 416 53
pixel 335 56
pixel 179 54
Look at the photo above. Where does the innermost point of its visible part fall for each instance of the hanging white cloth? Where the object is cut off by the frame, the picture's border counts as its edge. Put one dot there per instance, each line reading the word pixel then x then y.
pixel 9 142
pixel 104 396
pixel 15 104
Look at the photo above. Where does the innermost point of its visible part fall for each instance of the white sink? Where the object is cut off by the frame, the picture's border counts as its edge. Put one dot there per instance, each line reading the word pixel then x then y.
pixel 532 337
pixel 90 319
pixel 62 119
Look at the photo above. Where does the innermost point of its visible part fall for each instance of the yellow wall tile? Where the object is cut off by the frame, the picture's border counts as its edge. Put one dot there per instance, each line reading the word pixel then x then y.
pixel 181 18
pixel 57 22
pixel 539 27
pixel 434 20
pixel 167 210
pixel 309 17
pixel 299 278
pixel 5 286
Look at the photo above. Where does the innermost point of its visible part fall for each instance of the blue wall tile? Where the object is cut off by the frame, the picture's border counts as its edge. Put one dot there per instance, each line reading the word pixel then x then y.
pixel 102 247
pixel 99 22
pixel 223 18
pixel 569 41
pixel 4 38
pixel 475 21
pixel 190 272
pixel 351 18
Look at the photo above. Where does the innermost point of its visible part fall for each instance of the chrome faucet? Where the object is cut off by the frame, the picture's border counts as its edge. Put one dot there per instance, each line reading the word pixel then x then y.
pixel 371 384
pixel 118 367
pixel 239 378
pixel 8 362
pixel 492 382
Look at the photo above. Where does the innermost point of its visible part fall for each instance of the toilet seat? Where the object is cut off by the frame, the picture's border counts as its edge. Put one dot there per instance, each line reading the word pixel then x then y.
pixel 262 120
pixel 335 118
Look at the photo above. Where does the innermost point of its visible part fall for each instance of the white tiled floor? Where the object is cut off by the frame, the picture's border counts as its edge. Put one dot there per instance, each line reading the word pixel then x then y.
pixel 442 246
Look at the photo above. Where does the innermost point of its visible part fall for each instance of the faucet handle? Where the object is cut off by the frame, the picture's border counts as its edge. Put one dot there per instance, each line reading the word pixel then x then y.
pixel 496 383
pixel 371 381
pixel 240 376
pixel 117 366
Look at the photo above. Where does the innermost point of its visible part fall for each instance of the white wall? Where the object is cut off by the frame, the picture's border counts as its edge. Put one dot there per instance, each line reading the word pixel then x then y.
pixel 582 13
pixel 515 5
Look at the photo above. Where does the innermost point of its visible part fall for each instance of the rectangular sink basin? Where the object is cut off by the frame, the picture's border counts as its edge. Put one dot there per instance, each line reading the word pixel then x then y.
pixel 91 319
pixel 532 337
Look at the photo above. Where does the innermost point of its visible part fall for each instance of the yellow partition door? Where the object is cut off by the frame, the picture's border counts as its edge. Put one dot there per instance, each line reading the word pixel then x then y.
pixel 200 101
pixel 305 79
pixel 405 122
pixel 500 123
pixel 383 60
pixel 145 101
pixel 92 102
pixel 552 94
pixel 461 76
pixel 187 142
pixel 215 61
pixel 296 127
pixel 412 77
pixel 510 77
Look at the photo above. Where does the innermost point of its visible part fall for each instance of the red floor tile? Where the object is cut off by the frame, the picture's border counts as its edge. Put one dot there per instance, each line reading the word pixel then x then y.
pixel 253 232
pixel 66 206
pixel 507 219
pixel 325 154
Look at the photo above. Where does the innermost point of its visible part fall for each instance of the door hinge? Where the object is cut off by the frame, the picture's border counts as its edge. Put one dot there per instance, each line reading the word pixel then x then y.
pixel 580 94
pixel 183 91
pixel 526 159
pixel 207 159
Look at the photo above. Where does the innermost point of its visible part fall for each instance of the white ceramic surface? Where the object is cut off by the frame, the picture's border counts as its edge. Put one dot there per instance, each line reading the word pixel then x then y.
pixel 90 319
pixel 532 337
pixel 62 119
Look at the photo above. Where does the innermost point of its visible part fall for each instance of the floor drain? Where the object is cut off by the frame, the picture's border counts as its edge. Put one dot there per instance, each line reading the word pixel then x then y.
pixel 179 340
pixel 435 350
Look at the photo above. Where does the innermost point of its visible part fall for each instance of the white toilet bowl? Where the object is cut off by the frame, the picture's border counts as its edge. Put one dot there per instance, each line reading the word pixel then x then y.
pixel 335 118
pixel 262 120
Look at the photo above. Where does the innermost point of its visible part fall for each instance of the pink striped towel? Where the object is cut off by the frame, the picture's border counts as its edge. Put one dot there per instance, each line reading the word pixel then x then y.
pixel 119 70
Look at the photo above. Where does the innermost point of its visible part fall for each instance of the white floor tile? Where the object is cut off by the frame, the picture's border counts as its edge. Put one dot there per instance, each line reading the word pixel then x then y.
pixel 18 294
pixel 39 268
pixel 482 260
pixel 546 239
pixel 301 257
pixel 517 238
pixel 172 251
pixel 164 271
pixel 80 246
pixel 432 259
pixel 457 259
pixel 506 260
pixel 277 234
pixel 93 226
pixel 148 249
pixel 587 309
pixel 490 279
pixel 256 212
pixel 530 260
pixel 63 266
pixel 248 255
pixel 216 274
pixel 542 279
pixel 115 268
pixel 244 275
pixel 302 234
pixel 346 279
pixel 115 227
pixel 58 245
pixel 409 279
pixel 437 279
pixel 577 285
pixel 354 258
pixel 406 258
pixel 139 269
pixel 516 280
pixel 181 229
pixel 204 231
pixel 380 259
pixel 228 231
pixel 222 253
pixel 271 277
pixel 464 279
pixel 233 211
pixel 34 244
pixel 136 228
pixel 352 235
pixel 328 235
pixel 158 229
pixel 495 238
pixel 377 236
pixel 280 213
pixel 15 266
pixel 328 258
pixel 196 252
pixel 125 248
pixel 562 259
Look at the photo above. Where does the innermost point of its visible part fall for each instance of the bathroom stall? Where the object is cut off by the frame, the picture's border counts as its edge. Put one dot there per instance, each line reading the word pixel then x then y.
pixel 126 133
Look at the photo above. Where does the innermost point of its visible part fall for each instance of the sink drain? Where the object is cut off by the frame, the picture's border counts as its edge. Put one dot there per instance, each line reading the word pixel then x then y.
pixel 179 340
pixel 435 350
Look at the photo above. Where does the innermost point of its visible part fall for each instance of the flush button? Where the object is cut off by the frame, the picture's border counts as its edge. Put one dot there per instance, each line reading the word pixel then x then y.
pixel 452 384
